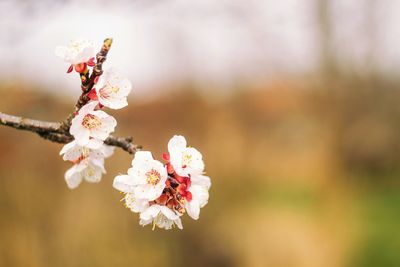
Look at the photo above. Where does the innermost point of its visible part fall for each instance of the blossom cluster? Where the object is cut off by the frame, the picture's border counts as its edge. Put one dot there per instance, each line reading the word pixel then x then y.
pixel 91 126
pixel 162 193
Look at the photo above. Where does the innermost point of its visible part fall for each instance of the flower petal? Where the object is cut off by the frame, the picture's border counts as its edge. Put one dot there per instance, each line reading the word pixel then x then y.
pixel 124 183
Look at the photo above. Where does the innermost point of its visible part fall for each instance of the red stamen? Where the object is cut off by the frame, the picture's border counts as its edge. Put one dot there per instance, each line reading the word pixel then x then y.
pixel 162 199
pixel 181 189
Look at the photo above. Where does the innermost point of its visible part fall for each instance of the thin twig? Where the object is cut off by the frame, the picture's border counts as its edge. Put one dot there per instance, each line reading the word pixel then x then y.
pixel 52 131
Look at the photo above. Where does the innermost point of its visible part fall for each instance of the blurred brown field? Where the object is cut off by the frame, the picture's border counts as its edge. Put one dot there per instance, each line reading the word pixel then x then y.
pixel 305 173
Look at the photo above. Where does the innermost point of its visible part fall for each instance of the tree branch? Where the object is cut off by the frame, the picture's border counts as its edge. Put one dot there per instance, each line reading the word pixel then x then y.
pixel 53 131
pixel 29 124
pixel 59 132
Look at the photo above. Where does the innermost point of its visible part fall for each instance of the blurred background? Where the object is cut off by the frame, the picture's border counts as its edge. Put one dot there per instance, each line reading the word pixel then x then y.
pixel 294 105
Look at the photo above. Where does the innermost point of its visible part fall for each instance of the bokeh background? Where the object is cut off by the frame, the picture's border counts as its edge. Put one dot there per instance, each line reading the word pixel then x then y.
pixel 294 105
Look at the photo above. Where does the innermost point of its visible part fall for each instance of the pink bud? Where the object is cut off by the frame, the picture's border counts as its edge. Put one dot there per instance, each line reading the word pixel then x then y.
pixel 165 156
pixel 70 69
pixel 91 63
pixel 81 67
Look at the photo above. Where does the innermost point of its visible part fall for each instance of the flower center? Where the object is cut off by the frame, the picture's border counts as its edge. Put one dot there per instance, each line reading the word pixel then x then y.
pixel 108 89
pixel 153 177
pixel 76 46
pixel 129 200
pixel 91 121
pixel 186 160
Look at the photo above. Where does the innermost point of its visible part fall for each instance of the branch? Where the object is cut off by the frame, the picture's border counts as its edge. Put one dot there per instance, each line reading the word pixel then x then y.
pixel 29 124
pixel 59 132
pixel 53 131
pixel 88 81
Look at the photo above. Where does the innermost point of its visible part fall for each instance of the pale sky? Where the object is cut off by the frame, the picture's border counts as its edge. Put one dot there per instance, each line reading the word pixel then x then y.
pixel 156 42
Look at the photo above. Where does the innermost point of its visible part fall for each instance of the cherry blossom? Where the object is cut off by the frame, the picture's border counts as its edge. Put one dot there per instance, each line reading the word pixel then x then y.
pixel 112 90
pixel 135 204
pixel 160 193
pixel 85 170
pixel 199 187
pixel 76 153
pixel 88 162
pixel 91 124
pixel 175 194
pixel 160 216
pixel 185 160
pixel 146 178
pixel 78 53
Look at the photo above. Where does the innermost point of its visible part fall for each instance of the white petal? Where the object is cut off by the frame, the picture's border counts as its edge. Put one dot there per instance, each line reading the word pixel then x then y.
pixel 138 175
pixel 142 156
pixel 201 180
pixel 193 209
pixel 126 87
pixel 71 151
pixel 92 174
pixel 169 213
pixel 124 183
pixel 95 144
pixel 200 194
pixel 81 136
pixel 147 192
pixel 67 147
pixel 97 162
pixel 178 223
pixel 73 177
pixel 150 212
pixel 88 107
pixel 107 151
pixel 177 142
pixel 116 103
pixel 135 204
pixel 84 56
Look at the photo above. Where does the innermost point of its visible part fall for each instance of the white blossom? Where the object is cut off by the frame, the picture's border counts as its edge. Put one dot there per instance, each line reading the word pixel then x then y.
pixel 185 160
pixel 112 90
pixel 146 178
pixel 89 162
pixel 77 52
pixel 91 124
pixel 160 216
pixel 135 204
pixel 85 170
pixel 199 187
pixel 76 153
